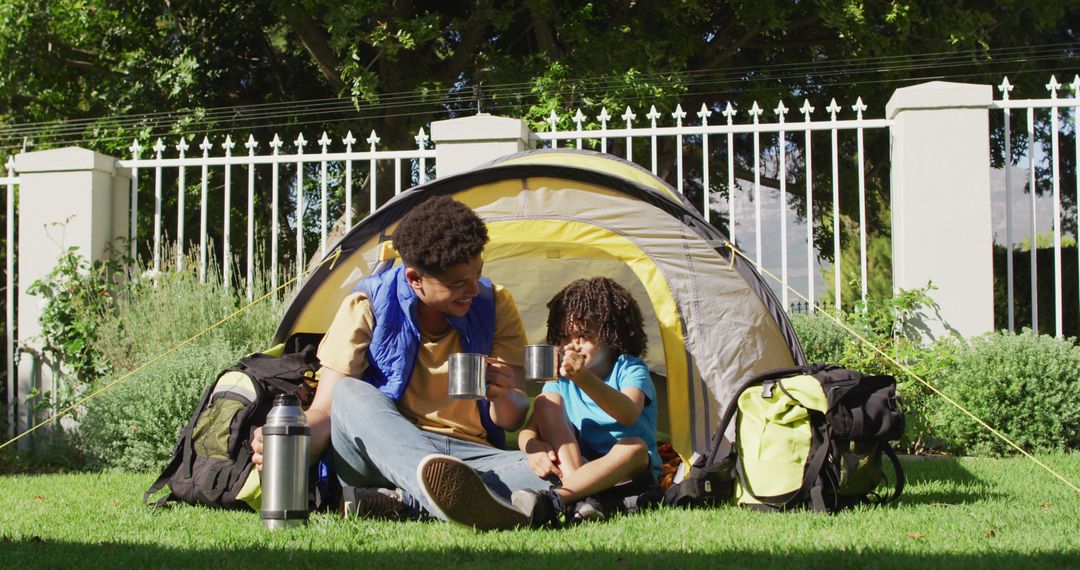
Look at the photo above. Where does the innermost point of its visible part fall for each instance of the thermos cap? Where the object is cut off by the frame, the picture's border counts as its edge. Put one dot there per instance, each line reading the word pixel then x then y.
pixel 287 400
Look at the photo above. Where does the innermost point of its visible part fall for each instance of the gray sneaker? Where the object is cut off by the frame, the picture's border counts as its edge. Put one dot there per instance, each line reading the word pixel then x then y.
pixel 456 491
pixel 373 503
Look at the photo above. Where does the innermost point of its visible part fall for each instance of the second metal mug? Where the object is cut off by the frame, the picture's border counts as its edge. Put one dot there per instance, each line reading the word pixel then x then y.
pixel 468 376
pixel 541 362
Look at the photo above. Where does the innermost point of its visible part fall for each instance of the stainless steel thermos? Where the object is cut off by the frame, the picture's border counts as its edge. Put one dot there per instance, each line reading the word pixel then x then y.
pixel 284 477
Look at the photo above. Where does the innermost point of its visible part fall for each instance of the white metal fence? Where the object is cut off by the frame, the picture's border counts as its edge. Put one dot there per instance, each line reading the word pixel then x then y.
pixel 796 137
pixel 325 158
pixel 1054 107
pixel 783 145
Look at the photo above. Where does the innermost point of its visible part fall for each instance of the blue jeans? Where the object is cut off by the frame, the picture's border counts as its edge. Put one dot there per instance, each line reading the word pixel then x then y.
pixel 375 446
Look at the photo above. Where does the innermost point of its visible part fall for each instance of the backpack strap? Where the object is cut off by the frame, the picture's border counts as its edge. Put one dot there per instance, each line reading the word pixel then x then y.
pixel 169 471
pixel 184 451
pixel 900 480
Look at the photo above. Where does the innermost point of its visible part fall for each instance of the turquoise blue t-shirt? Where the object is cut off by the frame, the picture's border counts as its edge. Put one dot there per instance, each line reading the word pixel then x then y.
pixel 598 431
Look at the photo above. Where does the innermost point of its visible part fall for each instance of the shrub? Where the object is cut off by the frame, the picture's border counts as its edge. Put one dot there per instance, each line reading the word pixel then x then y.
pixel 822 339
pixel 1025 386
pixel 134 424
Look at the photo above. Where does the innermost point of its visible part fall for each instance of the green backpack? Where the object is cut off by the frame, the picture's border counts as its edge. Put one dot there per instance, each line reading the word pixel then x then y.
pixel 806 437
pixel 211 463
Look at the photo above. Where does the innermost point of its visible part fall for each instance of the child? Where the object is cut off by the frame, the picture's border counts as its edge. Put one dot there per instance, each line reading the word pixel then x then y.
pixel 596 425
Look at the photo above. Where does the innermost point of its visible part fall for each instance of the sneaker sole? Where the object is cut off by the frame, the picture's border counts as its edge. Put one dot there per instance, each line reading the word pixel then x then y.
pixel 456 491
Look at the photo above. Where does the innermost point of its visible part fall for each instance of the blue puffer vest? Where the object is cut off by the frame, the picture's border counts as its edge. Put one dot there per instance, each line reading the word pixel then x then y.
pixel 395 341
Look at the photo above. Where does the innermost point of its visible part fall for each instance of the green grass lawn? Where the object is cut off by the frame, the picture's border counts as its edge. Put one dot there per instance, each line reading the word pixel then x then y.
pixel 965 513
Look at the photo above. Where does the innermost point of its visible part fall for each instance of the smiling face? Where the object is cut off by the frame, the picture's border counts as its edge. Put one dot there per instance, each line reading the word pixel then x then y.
pixel 448 293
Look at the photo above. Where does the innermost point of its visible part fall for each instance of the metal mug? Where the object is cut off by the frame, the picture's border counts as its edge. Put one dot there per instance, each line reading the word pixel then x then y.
pixel 468 376
pixel 542 362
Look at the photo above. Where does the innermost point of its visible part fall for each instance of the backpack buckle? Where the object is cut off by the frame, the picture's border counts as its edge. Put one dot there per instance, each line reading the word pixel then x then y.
pixel 766 388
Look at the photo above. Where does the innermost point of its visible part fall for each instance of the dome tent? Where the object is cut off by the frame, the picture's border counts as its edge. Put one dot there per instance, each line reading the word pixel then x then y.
pixel 557 215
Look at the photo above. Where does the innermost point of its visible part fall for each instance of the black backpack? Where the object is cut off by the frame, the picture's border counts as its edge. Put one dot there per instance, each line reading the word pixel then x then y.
pixel 810 437
pixel 211 463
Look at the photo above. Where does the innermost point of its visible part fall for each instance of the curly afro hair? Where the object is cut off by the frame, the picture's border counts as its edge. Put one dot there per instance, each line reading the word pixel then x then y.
pixel 438 234
pixel 604 304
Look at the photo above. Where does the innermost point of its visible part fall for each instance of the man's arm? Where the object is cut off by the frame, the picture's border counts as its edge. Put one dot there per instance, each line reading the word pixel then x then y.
pixel 318 417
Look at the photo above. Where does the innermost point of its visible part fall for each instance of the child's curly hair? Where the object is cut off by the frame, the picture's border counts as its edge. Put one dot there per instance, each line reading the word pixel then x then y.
pixel 438 234
pixel 603 303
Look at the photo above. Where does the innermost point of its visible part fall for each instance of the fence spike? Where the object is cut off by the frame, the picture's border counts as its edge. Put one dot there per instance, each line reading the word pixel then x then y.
pixel 349 140
pixel 552 120
pixel 300 142
pixel 1076 85
pixel 579 117
pixel 251 144
pixel 324 142
pixel 1053 86
pixel 729 112
pixel 756 111
pixel 859 107
pixel 205 145
pixel 10 164
pixel 653 115
pixel 833 109
pixel 704 114
pixel 603 118
pixel 135 148
pixel 678 115
pixel 629 116
pixel 780 110
pixel 1005 88
pixel 806 109
pixel 159 147
pixel 421 139
pixel 276 143
pixel 182 146
pixel 373 139
pixel 228 145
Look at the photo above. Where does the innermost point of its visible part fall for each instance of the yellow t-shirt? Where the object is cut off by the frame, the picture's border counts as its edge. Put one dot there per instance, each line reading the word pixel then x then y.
pixel 425 403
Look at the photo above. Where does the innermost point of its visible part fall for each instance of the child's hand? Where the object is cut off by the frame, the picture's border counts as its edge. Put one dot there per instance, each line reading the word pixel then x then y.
pixel 542 458
pixel 572 361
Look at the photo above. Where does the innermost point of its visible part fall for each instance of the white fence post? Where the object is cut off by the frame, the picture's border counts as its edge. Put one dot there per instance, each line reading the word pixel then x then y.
pixel 461 144
pixel 68 197
pixel 941 219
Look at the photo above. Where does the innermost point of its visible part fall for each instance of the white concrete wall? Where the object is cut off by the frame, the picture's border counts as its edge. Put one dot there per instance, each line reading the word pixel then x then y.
pixel 68 197
pixel 465 143
pixel 941 223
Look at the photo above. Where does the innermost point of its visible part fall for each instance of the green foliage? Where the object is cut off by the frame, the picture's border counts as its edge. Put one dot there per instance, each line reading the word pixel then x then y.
pixel 889 330
pixel 1025 386
pixel 134 424
pixel 75 296
pixel 821 337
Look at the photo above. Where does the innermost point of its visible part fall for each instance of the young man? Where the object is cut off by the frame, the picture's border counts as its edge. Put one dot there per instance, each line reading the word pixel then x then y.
pixel 399 441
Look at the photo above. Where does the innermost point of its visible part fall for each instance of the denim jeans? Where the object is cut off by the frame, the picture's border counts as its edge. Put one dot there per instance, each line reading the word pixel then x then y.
pixel 375 446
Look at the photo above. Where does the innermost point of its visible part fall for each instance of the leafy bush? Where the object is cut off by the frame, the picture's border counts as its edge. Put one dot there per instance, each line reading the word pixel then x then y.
pixel 134 424
pixel 822 339
pixel 75 296
pixel 1025 386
